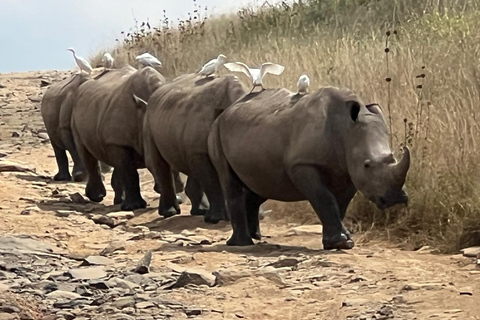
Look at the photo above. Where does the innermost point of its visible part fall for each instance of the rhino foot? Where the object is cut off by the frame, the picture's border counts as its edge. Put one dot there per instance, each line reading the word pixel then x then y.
pixel 212 219
pixel 236 240
pixel 62 177
pixel 133 205
pixel 340 243
pixel 257 236
pixel 169 213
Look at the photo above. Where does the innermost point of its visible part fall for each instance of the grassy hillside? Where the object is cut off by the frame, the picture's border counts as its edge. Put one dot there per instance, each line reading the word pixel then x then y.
pixel 430 51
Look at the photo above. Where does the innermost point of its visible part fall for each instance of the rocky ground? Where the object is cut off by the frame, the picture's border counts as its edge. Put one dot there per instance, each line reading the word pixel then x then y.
pixel 63 257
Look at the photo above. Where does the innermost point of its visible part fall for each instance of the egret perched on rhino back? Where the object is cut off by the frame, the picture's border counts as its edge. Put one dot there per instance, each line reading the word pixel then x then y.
pixel 321 147
pixel 255 74
pixel 147 60
pixel 212 66
pixel 107 60
pixel 302 84
pixel 81 63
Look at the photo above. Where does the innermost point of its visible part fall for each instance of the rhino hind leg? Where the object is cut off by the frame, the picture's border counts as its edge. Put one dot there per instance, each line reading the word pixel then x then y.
pixel 95 190
pixel 128 176
pixel 308 180
pixel 253 202
pixel 194 192
pixel 62 163
pixel 79 173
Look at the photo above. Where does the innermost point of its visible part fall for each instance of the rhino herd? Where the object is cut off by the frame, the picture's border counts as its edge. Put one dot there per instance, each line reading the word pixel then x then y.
pixel 237 149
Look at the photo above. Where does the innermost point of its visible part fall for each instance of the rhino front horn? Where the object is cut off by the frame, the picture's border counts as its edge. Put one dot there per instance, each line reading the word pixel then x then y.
pixel 400 169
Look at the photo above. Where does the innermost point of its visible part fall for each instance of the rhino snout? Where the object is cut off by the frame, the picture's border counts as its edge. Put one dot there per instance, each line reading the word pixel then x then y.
pixel 390 199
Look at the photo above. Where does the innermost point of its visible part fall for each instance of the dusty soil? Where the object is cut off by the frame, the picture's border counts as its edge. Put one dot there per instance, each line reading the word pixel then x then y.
pixel 286 276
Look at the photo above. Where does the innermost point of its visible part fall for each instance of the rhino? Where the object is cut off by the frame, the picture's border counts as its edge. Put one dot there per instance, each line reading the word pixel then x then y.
pixel 107 126
pixel 56 109
pixel 321 147
pixel 177 123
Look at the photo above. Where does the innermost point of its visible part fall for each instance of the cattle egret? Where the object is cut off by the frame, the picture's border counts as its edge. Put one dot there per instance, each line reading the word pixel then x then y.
pixel 212 66
pixel 303 83
pixel 255 74
pixel 81 63
pixel 107 61
pixel 147 59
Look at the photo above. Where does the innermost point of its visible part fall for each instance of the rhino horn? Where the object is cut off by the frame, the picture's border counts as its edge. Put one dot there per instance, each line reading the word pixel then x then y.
pixel 399 170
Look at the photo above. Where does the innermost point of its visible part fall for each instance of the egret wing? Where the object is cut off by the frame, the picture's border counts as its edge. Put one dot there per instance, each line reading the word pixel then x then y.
pixel 272 68
pixel 238 67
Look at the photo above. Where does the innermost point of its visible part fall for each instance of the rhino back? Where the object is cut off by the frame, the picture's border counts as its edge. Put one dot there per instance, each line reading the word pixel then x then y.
pixel 181 113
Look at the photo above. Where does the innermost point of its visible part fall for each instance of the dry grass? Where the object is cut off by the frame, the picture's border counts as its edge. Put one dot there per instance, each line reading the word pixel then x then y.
pixel 433 95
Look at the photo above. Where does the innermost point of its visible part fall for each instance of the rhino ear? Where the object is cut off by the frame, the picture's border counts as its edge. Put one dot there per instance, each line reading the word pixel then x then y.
pixel 354 107
pixel 140 103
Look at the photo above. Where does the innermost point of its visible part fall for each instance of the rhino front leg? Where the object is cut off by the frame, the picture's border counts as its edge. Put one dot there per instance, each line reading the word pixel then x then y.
pixel 308 181
pixel 62 163
pixel 117 186
pixel 343 200
pixel 194 192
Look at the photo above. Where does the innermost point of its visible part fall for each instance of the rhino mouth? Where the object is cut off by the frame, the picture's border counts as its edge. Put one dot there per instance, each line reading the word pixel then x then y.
pixel 391 199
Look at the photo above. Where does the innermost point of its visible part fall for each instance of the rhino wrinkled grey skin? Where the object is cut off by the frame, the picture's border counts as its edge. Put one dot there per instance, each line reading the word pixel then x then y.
pixel 177 123
pixel 321 147
pixel 107 125
pixel 56 109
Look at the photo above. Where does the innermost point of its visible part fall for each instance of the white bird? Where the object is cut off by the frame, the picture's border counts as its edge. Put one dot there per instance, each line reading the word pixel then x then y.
pixel 255 74
pixel 147 59
pixel 81 63
pixel 107 60
pixel 303 83
pixel 212 66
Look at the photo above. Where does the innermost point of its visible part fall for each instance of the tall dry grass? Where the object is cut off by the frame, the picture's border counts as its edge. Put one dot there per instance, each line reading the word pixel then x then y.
pixel 433 93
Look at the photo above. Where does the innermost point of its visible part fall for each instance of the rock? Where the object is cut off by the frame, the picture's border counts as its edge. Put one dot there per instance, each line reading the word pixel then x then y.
pixel 124 302
pixel 144 263
pixel 121 215
pixel 418 286
pixel 306 230
pixel 9 166
pixel 271 274
pixel 2 86
pixel 195 276
pixel 15 134
pixel 124 284
pixel 70 304
pixel 193 312
pixel 87 273
pixel 139 279
pixel 62 295
pixel 35 100
pixel 386 311
pixel 98 284
pixel 44 136
pixel 78 198
pixel 471 252
pixel 9 309
pixel 285 262
pixel 112 247
pixel 99 219
pixel 97 261
pixel 62 213
pixel 144 305
pixel 227 277
pixel 44 83
pixel 7 316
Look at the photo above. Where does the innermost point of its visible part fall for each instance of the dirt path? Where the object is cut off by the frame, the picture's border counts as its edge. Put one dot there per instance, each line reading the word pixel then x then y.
pixel 286 276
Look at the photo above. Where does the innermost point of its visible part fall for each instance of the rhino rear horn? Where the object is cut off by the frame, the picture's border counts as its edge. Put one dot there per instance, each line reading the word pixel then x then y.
pixel 400 169
pixel 140 102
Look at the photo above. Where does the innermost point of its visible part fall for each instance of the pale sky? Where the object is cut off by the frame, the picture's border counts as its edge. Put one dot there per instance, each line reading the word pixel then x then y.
pixel 34 34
